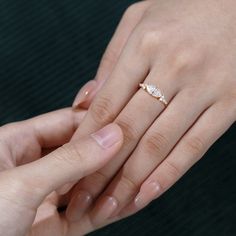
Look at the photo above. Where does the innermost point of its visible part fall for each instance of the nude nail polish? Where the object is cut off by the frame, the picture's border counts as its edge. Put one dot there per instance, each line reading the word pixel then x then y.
pixel 148 193
pixel 107 207
pixel 85 93
pixel 83 202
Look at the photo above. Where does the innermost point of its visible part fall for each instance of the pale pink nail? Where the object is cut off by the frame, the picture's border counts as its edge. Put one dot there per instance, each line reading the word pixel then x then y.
pixel 85 93
pixel 108 207
pixel 83 202
pixel 148 192
pixel 107 136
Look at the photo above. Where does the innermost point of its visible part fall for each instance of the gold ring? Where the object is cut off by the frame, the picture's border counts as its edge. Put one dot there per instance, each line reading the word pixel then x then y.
pixel 154 92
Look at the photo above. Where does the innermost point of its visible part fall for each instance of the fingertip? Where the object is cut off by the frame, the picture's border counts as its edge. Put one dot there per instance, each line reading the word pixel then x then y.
pixel 109 136
pixel 78 206
pixel 85 93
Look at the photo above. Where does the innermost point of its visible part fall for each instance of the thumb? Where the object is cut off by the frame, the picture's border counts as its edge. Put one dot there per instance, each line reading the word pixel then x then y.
pixel 70 162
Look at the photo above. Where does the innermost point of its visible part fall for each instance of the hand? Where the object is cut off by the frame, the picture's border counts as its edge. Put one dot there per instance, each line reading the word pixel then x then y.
pixel 27 181
pixel 182 47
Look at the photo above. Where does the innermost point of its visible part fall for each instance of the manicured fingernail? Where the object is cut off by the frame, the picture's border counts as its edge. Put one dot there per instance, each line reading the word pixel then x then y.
pixel 84 93
pixel 148 192
pixel 107 136
pixel 83 202
pixel 108 207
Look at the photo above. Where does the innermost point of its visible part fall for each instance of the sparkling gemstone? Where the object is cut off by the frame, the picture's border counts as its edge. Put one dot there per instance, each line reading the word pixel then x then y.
pixel 153 90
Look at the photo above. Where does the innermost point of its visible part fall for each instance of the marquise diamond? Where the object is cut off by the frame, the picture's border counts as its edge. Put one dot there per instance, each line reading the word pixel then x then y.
pixel 153 90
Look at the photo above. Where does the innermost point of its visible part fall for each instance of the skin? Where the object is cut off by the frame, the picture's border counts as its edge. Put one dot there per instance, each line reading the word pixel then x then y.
pixel 186 48
pixel 28 201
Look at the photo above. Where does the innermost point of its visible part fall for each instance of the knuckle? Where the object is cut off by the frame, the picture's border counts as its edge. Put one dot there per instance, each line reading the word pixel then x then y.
pixel 101 176
pixel 134 8
pixel 109 58
pixel 192 91
pixel 95 182
pixel 69 153
pixel 194 146
pixel 131 10
pixel 128 183
pixel 127 125
pixel 101 110
pixel 172 170
pixel 187 58
pixel 155 144
pixel 150 39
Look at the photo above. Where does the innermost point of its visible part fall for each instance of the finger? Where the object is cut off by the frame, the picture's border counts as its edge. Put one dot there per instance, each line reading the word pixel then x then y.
pixel 43 132
pixel 107 104
pixel 131 68
pixel 154 146
pixel 129 21
pixel 78 205
pixel 55 128
pixel 67 164
pixel 127 24
pixel 188 151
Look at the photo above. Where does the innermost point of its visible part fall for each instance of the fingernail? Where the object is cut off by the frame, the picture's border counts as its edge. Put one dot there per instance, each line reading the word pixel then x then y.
pixel 107 136
pixel 108 207
pixel 139 201
pixel 84 93
pixel 148 192
pixel 83 202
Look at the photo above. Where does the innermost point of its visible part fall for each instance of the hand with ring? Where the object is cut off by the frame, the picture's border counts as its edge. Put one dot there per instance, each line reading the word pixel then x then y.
pixel 171 86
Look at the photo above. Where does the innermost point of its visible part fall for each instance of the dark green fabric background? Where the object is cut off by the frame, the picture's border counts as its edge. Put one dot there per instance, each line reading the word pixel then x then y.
pixel 48 49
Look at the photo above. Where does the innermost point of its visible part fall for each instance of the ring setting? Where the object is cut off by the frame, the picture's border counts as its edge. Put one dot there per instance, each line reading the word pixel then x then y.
pixel 154 92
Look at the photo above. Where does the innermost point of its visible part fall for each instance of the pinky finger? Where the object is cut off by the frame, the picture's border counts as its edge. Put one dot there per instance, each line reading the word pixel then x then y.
pixel 193 145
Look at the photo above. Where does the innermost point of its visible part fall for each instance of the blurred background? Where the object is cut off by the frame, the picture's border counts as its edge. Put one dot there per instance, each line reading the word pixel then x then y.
pixel 48 50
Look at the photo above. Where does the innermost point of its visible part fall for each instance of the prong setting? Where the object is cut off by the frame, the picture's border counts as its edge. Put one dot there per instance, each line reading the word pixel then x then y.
pixel 154 92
